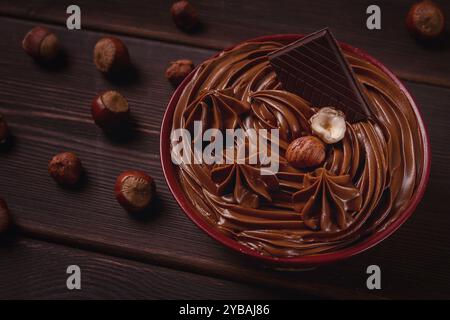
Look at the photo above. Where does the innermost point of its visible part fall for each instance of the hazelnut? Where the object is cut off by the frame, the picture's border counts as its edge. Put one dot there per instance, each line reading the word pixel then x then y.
pixel 5 217
pixel 111 55
pixel 305 152
pixel 110 110
pixel 178 70
pixel 425 20
pixel 329 125
pixel 65 168
pixel 134 190
pixel 184 15
pixel 41 44
pixel 4 130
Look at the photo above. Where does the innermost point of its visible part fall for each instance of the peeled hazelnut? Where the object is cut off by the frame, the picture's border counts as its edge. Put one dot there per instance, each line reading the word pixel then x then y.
pixel 184 15
pixel 306 152
pixel 65 168
pixel 134 190
pixel 425 19
pixel 329 125
pixel 41 44
pixel 178 70
pixel 4 130
pixel 5 217
pixel 110 110
pixel 111 55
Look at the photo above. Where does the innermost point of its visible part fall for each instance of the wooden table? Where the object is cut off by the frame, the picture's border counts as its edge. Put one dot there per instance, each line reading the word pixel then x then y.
pixel 166 255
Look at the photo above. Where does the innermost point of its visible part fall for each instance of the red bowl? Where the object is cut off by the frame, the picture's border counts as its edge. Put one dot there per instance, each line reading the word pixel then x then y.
pixel 303 261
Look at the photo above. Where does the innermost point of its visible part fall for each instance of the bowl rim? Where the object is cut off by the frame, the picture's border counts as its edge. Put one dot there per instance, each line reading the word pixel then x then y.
pixel 297 261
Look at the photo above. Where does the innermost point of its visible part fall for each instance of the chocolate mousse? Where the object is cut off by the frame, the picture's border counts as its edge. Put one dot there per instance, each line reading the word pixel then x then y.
pixel 370 172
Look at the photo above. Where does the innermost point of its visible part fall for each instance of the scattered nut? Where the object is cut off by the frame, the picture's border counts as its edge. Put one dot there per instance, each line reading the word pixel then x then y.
pixel 184 15
pixel 5 217
pixel 4 130
pixel 134 190
pixel 178 70
pixel 329 125
pixel 425 20
pixel 41 44
pixel 110 110
pixel 111 55
pixel 65 168
pixel 306 152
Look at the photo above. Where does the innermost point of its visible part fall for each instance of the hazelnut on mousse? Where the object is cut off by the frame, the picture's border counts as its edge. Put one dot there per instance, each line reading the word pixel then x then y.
pixel 329 125
pixel 305 152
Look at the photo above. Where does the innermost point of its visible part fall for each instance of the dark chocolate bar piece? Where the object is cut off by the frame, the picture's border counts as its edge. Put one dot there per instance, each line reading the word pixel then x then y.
pixel 315 68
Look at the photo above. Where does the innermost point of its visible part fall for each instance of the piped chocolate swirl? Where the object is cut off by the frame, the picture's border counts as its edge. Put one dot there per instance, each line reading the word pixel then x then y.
pixel 366 180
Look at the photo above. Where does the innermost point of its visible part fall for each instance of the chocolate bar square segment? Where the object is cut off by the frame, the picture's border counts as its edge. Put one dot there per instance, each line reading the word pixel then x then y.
pixel 315 68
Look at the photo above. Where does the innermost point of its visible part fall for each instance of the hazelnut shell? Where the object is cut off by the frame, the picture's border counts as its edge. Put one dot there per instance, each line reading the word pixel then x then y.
pixel 306 152
pixel 134 190
pixel 184 15
pixel 65 168
pixel 41 44
pixel 111 55
pixel 110 110
pixel 425 20
pixel 178 71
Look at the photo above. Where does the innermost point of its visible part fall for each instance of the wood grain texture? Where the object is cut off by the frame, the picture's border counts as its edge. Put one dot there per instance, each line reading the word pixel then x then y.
pixel 33 269
pixel 48 111
pixel 227 22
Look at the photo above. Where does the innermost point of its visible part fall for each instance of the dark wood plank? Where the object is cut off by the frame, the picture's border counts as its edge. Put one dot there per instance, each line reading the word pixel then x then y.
pixel 32 269
pixel 49 111
pixel 227 22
